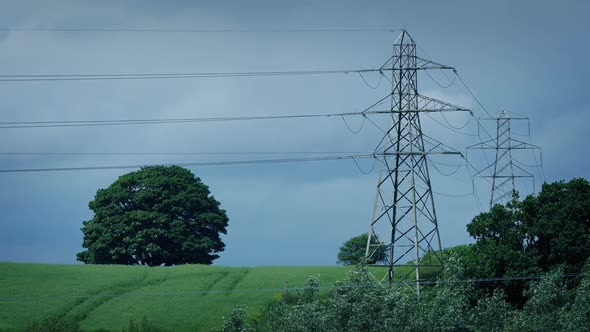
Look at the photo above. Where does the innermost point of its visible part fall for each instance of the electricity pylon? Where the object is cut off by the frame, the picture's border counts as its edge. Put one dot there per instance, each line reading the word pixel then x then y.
pixel 504 170
pixel 404 227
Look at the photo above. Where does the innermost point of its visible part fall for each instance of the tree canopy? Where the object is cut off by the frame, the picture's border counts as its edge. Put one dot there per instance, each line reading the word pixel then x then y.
pixel 353 251
pixel 362 303
pixel 533 236
pixel 155 216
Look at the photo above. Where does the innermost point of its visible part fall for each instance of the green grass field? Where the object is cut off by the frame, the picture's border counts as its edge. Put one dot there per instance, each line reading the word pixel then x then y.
pixel 108 296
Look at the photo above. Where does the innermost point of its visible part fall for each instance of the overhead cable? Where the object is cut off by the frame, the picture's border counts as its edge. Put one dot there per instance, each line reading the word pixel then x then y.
pixel 193 164
pixel 191 30
pixel 131 153
pixel 448 127
pixel 472 94
pixel 91 123
pixel 141 76
pixel 94 123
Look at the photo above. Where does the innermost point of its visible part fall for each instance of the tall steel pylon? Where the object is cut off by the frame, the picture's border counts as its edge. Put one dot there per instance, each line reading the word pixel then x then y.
pixel 404 233
pixel 504 170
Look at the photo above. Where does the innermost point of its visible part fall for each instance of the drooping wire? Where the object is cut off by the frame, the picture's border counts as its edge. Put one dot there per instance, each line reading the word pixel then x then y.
pixel 443 72
pixel 458 167
pixel 193 164
pixel 444 164
pixel 452 81
pixel 456 127
pixel 450 128
pixel 355 132
pixel 452 195
pixel 473 190
pixel 445 194
pixel 361 170
pixel 540 168
pixel 367 83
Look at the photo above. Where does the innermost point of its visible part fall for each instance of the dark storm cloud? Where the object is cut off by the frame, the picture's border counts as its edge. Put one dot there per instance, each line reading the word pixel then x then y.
pixel 525 57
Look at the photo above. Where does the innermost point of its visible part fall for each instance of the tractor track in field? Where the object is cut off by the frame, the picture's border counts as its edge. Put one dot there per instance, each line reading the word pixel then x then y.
pixel 68 309
pixel 117 290
pixel 239 279
pixel 107 294
pixel 210 286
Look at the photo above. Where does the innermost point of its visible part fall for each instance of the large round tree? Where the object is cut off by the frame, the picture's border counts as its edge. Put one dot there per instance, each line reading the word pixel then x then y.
pixel 353 251
pixel 155 216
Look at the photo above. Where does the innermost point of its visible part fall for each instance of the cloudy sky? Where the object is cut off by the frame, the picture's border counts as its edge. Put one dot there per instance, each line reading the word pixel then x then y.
pixel 526 57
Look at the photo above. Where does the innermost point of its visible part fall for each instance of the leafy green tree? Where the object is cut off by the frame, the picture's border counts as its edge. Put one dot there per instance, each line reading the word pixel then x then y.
pixel 362 303
pixel 557 224
pixel 311 287
pixel 353 251
pixel 547 304
pixel 578 318
pixel 533 236
pixel 236 321
pixel 490 314
pixel 155 216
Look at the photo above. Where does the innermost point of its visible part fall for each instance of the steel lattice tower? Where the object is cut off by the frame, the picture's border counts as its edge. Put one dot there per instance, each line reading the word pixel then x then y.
pixel 404 226
pixel 504 170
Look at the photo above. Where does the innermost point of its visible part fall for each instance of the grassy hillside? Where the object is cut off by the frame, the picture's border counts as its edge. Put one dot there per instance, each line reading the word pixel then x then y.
pixel 190 297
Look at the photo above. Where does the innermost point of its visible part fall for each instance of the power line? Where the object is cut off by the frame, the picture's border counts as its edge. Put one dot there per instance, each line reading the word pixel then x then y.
pixel 363 171
pixel 130 153
pixel 195 30
pixel 445 164
pixel 450 195
pixel 448 127
pixel 456 127
pixel 453 172
pixel 472 177
pixel 95 123
pixel 480 125
pixel 193 164
pixel 275 289
pixel 471 93
pixel 140 76
pixel 452 81
pixel 355 132
pixel 369 85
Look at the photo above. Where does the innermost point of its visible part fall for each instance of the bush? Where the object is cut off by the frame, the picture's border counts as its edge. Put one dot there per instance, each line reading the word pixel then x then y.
pixel 361 303
pixel 236 321
pixel 53 324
